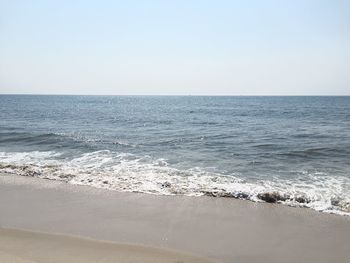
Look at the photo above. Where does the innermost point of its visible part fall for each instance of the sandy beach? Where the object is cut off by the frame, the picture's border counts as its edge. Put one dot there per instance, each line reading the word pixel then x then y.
pixel 129 227
pixel 20 246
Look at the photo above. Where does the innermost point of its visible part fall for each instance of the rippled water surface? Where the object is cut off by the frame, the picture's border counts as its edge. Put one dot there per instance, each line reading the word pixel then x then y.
pixel 292 150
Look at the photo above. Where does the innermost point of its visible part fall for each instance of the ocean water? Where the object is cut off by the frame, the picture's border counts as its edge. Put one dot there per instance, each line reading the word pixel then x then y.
pixel 289 150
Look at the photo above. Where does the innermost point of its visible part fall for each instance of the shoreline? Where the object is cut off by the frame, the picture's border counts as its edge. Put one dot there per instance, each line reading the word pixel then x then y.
pixel 332 206
pixel 223 229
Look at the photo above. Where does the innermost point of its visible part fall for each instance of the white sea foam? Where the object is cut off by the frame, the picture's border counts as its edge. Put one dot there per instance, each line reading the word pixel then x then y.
pixel 131 173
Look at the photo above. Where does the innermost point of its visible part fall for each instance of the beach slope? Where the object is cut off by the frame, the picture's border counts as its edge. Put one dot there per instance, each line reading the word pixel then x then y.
pixel 20 246
pixel 222 229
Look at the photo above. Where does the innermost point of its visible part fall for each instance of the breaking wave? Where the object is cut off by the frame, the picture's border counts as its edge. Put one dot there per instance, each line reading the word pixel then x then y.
pixel 131 173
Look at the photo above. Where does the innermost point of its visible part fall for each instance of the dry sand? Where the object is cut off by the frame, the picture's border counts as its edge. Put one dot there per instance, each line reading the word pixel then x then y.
pixel 222 229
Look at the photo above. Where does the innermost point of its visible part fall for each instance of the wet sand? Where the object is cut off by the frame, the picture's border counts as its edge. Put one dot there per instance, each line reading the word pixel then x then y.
pixel 222 229
pixel 20 246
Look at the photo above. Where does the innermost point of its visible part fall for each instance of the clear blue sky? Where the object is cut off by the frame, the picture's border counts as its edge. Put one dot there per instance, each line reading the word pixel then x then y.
pixel 175 47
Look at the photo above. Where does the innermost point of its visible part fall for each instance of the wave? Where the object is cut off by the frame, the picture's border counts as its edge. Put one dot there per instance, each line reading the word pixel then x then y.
pixel 22 136
pixel 30 138
pixel 64 139
pixel 131 173
pixel 316 152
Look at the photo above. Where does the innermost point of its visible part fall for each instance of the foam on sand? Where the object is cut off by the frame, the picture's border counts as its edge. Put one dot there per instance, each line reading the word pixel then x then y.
pixel 131 173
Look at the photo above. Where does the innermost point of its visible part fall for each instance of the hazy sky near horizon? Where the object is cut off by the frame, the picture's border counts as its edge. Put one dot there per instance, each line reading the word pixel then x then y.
pixel 299 47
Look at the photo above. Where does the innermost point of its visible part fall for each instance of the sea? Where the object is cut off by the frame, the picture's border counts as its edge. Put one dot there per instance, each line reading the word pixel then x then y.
pixel 289 150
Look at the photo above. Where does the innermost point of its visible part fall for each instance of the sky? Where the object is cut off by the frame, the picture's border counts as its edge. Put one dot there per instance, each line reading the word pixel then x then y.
pixel 182 47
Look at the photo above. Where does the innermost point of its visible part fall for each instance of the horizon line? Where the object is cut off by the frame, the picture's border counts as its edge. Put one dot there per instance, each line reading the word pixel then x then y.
pixel 180 95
